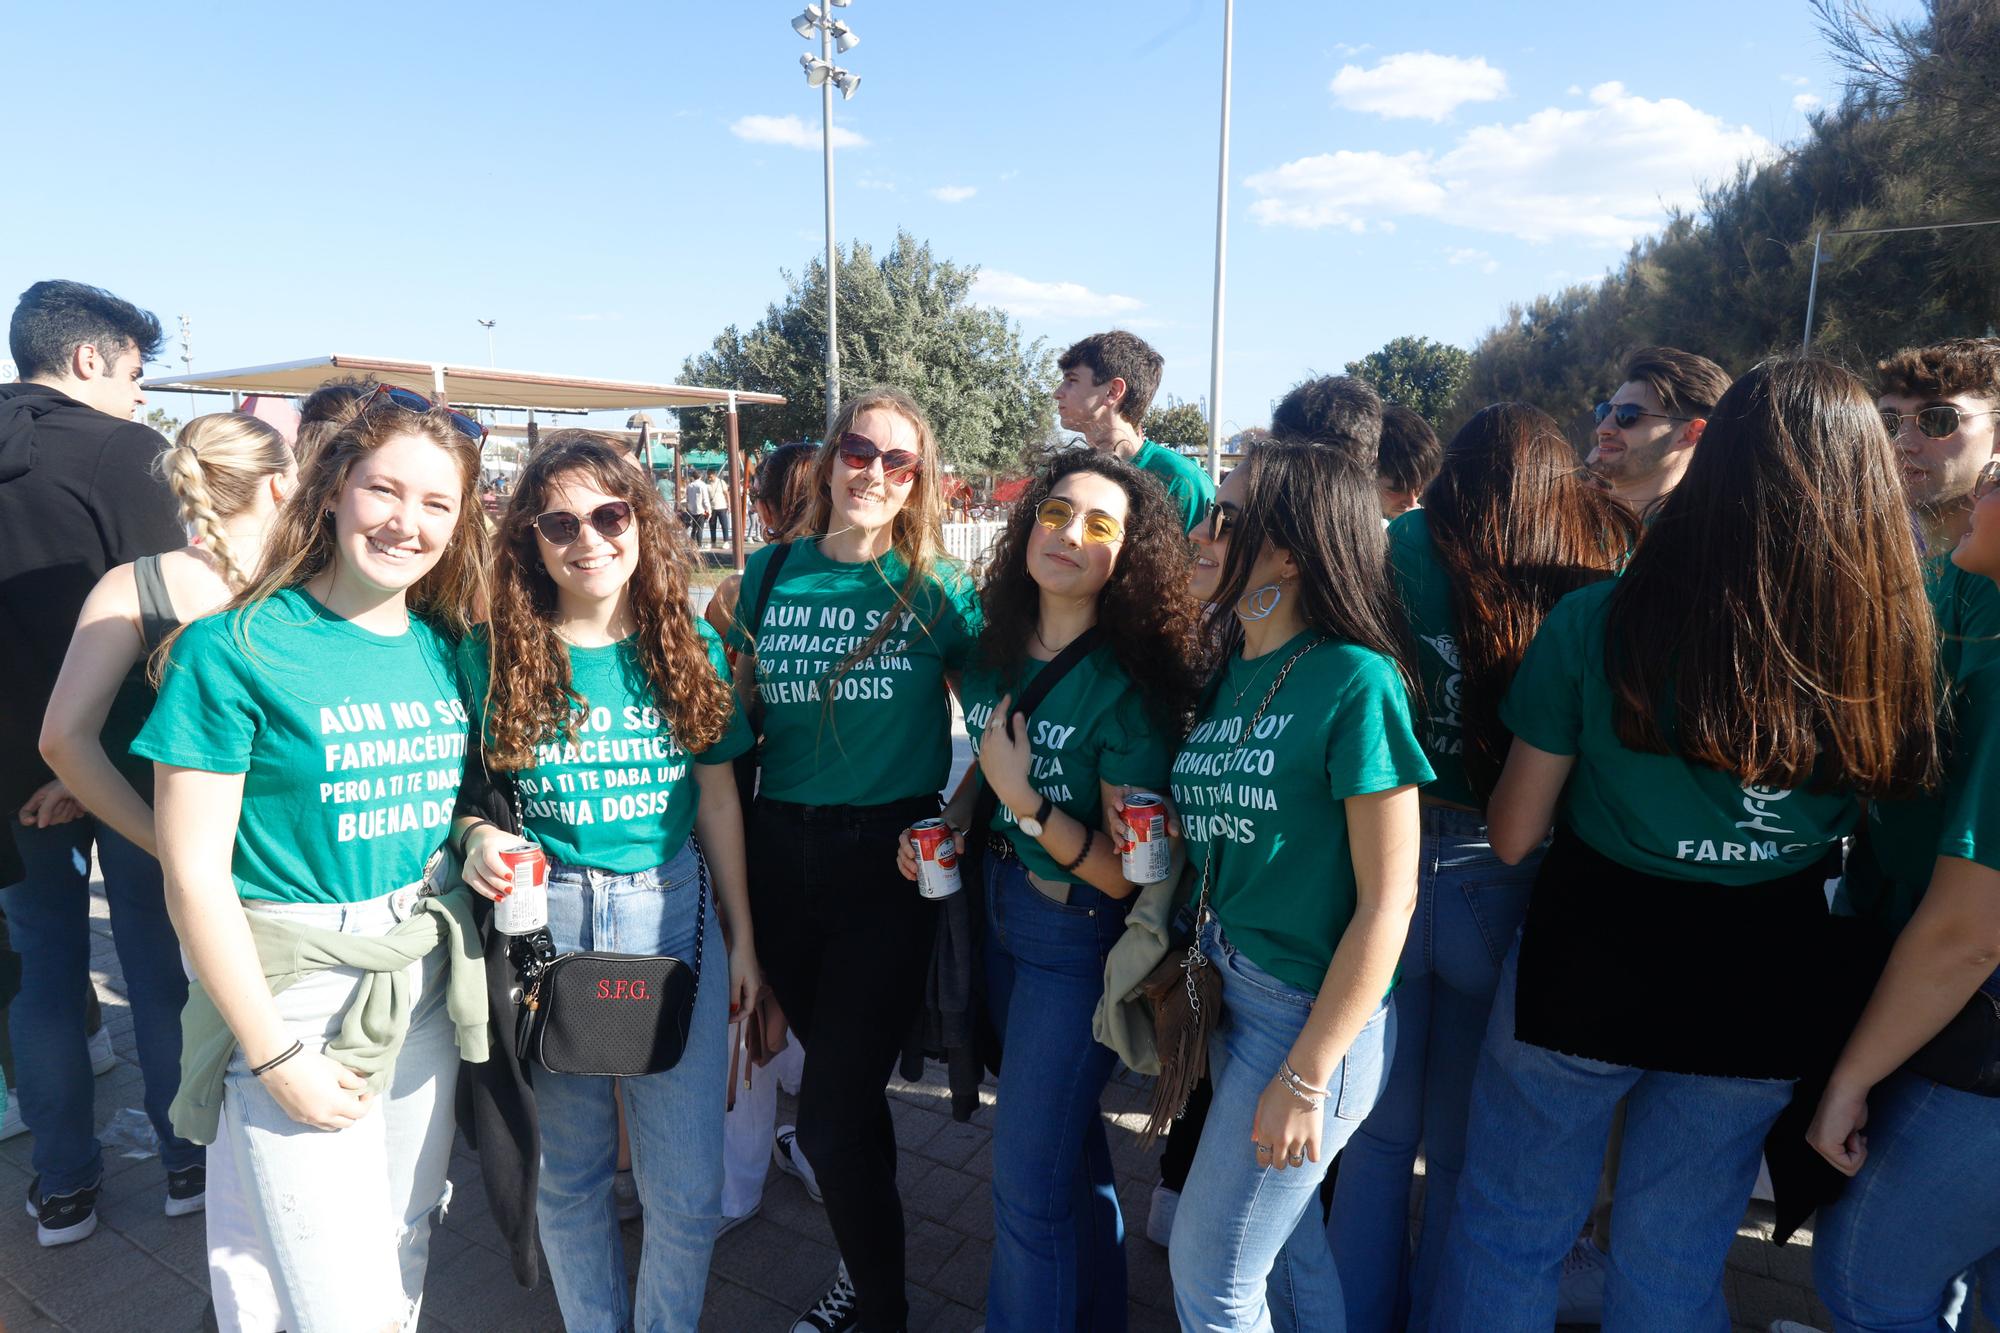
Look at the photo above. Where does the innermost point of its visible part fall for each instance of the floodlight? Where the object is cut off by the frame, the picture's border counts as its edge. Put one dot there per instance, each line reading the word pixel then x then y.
pixel 846 82
pixel 805 23
pixel 844 38
pixel 816 70
pixel 840 4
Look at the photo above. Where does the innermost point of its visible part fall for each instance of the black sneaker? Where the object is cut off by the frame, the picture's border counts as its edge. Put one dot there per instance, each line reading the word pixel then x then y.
pixel 187 1191
pixel 63 1219
pixel 835 1311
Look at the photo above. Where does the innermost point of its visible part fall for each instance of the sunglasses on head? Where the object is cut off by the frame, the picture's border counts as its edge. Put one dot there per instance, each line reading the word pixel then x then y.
pixel 412 401
pixel 1627 415
pixel 1221 517
pixel 1056 514
pixel 1936 423
pixel 858 451
pixel 1987 481
pixel 559 527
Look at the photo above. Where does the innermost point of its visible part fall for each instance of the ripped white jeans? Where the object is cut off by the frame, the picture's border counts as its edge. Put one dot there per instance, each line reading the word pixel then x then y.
pixel 317 1231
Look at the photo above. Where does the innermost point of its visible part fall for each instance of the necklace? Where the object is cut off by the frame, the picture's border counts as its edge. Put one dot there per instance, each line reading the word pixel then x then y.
pixel 1254 679
pixel 1053 651
pixel 562 634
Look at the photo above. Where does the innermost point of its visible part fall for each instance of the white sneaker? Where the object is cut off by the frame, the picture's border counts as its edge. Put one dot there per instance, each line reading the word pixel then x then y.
pixel 1160 1216
pixel 1580 1294
pixel 791 1160
pixel 102 1060
pixel 11 1123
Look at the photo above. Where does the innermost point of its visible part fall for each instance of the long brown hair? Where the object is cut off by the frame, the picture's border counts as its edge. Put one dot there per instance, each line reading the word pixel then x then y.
pixel 916 533
pixel 1150 619
pixel 784 481
pixel 531 698
pixel 214 467
pixel 1775 612
pixel 300 544
pixel 1517 525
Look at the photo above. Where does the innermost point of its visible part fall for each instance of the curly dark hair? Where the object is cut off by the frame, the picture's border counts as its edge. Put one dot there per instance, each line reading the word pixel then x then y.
pixel 1151 620
pixel 530 698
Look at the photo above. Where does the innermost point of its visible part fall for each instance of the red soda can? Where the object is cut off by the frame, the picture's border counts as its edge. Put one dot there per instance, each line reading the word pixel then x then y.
pixel 937 858
pixel 1147 860
pixel 525 909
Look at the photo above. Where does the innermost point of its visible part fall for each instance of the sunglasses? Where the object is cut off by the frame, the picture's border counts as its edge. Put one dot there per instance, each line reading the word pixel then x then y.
pixel 1987 482
pixel 1221 517
pixel 412 401
pixel 1056 514
pixel 858 451
pixel 1936 423
pixel 559 527
pixel 1627 415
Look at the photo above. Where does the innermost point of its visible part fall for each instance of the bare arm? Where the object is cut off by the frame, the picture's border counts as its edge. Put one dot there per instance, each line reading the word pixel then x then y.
pixel 718 823
pixel 101 653
pixel 1951 945
pixel 198 814
pixel 1384 832
pixel 722 606
pixel 1523 807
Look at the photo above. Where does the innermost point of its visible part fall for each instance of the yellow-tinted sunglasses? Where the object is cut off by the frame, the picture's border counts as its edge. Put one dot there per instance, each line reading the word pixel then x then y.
pixel 1056 514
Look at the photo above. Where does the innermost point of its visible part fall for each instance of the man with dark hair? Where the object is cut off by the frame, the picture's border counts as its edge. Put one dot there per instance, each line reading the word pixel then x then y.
pixel 1337 411
pixel 77 496
pixel 1108 382
pixel 1939 404
pixel 1647 430
pixel 1408 459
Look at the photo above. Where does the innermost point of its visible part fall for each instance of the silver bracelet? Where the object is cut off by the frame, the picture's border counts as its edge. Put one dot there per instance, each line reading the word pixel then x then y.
pixel 1299 1088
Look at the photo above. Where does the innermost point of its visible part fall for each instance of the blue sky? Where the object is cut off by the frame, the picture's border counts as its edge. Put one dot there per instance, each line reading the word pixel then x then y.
pixel 616 182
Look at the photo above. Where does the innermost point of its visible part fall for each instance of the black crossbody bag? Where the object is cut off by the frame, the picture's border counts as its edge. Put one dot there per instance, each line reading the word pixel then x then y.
pixel 747 763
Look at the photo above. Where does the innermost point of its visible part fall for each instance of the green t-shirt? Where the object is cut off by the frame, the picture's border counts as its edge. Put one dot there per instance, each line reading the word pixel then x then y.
pixel 350 743
pixel 620 796
pixel 1426 592
pixel 1187 483
pixel 1653 812
pixel 1283 879
pixel 1093 727
pixel 886 733
pixel 1888 875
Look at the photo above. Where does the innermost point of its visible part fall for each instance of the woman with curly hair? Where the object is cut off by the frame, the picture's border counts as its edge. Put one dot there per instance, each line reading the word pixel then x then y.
pixel 1094 547
pixel 608 701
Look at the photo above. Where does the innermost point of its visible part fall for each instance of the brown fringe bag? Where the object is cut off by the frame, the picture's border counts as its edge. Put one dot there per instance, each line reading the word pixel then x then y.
pixel 1184 990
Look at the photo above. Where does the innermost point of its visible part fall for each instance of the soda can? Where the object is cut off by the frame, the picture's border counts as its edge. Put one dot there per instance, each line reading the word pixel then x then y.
pixel 526 908
pixel 1147 860
pixel 937 858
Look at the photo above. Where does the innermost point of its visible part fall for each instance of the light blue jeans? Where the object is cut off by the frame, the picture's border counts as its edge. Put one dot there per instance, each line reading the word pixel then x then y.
pixel 1534 1149
pixel 1923 1210
pixel 674 1119
pixel 1469 908
pixel 1249 1253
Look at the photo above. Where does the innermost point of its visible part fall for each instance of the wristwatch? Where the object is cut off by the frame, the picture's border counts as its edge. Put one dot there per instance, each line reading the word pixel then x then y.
pixel 1032 825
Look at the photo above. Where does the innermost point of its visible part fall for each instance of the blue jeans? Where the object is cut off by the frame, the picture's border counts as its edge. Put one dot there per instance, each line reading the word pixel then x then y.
pixel 1058 1237
pixel 1533 1152
pixel 1249 1253
pixel 48 917
pixel 1469 908
pixel 674 1118
pixel 1923 1210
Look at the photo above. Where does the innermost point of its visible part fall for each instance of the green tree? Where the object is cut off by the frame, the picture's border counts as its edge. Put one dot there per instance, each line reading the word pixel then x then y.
pixel 160 421
pixel 1420 374
pixel 1176 422
pixel 906 319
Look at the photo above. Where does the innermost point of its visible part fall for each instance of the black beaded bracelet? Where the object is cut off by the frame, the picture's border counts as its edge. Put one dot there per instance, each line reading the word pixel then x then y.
pixel 1089 836
pixel 259 1071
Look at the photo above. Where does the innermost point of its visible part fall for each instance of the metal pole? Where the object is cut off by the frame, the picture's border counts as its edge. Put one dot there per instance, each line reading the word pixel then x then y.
pixel 1812 295
pixel 826 139
pixel 1221 252
pixel 735 486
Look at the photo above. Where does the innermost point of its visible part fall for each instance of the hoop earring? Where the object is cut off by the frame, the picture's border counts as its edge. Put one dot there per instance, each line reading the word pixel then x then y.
pixel 1259 603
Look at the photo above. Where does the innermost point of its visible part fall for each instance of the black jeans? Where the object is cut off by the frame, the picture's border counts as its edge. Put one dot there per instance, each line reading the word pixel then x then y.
pixel 846 943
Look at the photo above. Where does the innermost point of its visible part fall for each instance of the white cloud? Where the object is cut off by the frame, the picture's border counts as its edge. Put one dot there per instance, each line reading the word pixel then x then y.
pixel 1806 102
pixel 791 132
pixel 1030 299
pixel 1605 172
pixel 1486 263
pixel 1796 80
pixel 1349 49
pixel 954 194
pixel 1574 90
pixel 1420 85
pixel 873 183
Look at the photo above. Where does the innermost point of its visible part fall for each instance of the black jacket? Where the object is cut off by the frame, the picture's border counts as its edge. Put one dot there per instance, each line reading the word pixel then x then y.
pixel 77 496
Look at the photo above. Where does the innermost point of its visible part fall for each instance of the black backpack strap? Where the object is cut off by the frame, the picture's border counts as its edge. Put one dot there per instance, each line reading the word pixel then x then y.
pixel 763 598
pixel 986 803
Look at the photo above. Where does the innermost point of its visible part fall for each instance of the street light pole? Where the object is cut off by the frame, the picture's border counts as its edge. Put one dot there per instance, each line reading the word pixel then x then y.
pixel 488 324
pixel 832 270
pixel 1221 253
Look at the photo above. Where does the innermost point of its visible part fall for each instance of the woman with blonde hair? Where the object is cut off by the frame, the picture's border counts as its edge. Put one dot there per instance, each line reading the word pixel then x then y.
pixel 308 743
pixel 858 626
pixel 229 472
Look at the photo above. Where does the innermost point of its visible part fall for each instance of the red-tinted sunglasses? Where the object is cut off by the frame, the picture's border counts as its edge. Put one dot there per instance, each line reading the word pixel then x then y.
pixel 858 451
pixel 412 401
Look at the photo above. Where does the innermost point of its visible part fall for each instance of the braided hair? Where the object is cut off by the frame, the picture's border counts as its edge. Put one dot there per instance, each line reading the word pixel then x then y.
pixel 214 467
